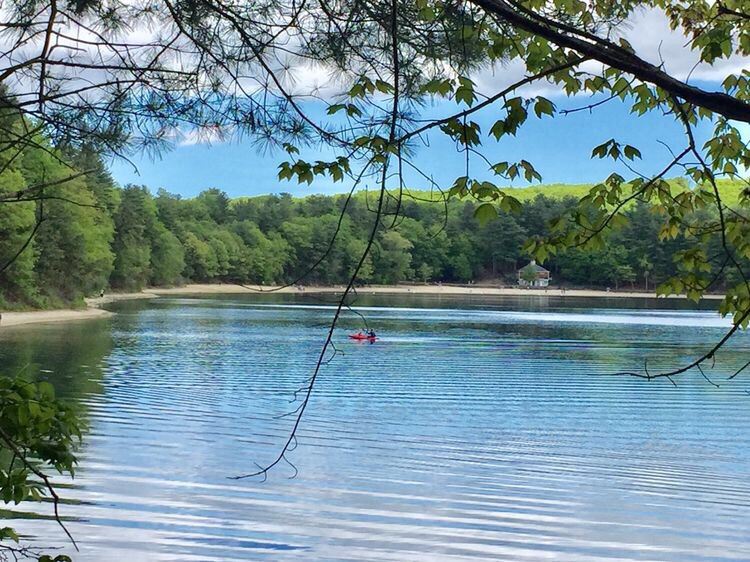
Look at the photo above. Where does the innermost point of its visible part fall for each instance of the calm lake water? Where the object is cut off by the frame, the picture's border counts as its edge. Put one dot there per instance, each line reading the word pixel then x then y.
pixel 476 429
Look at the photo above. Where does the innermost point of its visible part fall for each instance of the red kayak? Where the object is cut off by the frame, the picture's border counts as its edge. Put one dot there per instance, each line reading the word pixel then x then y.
pixel 362 337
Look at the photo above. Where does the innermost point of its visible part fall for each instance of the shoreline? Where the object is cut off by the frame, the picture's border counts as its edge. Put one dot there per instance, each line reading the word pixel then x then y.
pixel 92 311
pixel 17 319
pixel 94 305
pixel 479 290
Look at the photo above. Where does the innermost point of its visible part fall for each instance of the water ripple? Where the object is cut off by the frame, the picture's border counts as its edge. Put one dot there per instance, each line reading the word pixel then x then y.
pixel 464 434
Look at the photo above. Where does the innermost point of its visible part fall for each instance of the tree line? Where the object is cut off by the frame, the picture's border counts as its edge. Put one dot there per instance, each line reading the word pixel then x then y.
pixel 93 235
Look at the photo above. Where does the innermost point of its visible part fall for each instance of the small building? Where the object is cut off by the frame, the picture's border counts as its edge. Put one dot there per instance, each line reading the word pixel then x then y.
pixel 533 275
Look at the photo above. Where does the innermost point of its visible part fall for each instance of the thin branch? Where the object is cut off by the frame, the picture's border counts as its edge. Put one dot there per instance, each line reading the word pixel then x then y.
pixel 738 371
pixel 617 57
pixel 706 356
pixel 48 484
pixel 263 471
pixel 39 220
pixel 18 195
pixel 492 99
pixel 722 9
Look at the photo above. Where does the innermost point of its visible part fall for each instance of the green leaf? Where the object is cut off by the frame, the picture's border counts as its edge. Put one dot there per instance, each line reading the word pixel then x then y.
pixel 336 173
pixel 19 493
pixel 459 187
pixel 465 92
pixel 383 87
pixel 8 533
pixel 631 153
pixel 498 129
pixel 510 204
pixel 500 168
pixel 46 390
pixel 544 107
pixel 442 87
pixel 335 108
pixel 485 213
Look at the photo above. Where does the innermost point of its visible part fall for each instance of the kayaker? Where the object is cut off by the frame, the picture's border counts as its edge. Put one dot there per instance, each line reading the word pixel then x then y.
pixel 371 334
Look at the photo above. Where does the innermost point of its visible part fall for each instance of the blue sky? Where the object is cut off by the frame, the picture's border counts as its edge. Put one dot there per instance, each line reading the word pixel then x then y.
pixel 559 148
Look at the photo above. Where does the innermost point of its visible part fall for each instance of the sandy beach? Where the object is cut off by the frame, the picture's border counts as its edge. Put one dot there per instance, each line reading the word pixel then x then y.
pixel 94 310
pixel 13 319
pixel 208 289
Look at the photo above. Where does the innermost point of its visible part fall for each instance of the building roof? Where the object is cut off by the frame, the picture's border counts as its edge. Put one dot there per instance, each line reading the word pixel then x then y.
pixel 534 266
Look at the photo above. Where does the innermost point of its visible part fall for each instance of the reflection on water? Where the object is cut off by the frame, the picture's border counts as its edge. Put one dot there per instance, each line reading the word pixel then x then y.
pixel 476 429
pixel 68 355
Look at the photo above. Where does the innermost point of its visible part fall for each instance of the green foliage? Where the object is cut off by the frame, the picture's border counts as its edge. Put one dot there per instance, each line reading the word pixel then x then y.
pixel 16 224
pixel 73 244
pixel 166 240
pixel 46 430
pixel 201 262
pixel 485 213
pixel 135 229
pixel 167 258
pixel 37 432
pixel 95 234
pixel 393 258
pixel 528 274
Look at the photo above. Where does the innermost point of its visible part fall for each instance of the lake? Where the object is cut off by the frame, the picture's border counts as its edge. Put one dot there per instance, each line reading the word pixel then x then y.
pixel 475 429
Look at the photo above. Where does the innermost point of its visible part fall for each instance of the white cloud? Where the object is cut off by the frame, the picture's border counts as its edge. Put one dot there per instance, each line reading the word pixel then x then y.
pixel 204 135
pixel 649 33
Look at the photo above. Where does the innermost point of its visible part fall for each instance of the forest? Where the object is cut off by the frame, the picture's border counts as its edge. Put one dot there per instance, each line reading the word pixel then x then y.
pixel 89 235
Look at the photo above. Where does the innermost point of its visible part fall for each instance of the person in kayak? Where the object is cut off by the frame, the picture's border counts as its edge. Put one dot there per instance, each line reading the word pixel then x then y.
pixel 371 333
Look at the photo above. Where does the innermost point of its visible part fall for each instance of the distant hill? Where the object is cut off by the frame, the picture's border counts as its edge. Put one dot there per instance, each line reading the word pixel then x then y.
pixel 730 190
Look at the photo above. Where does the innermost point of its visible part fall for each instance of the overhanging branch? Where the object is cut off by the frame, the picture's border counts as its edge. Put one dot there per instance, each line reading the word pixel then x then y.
pixel 617 57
